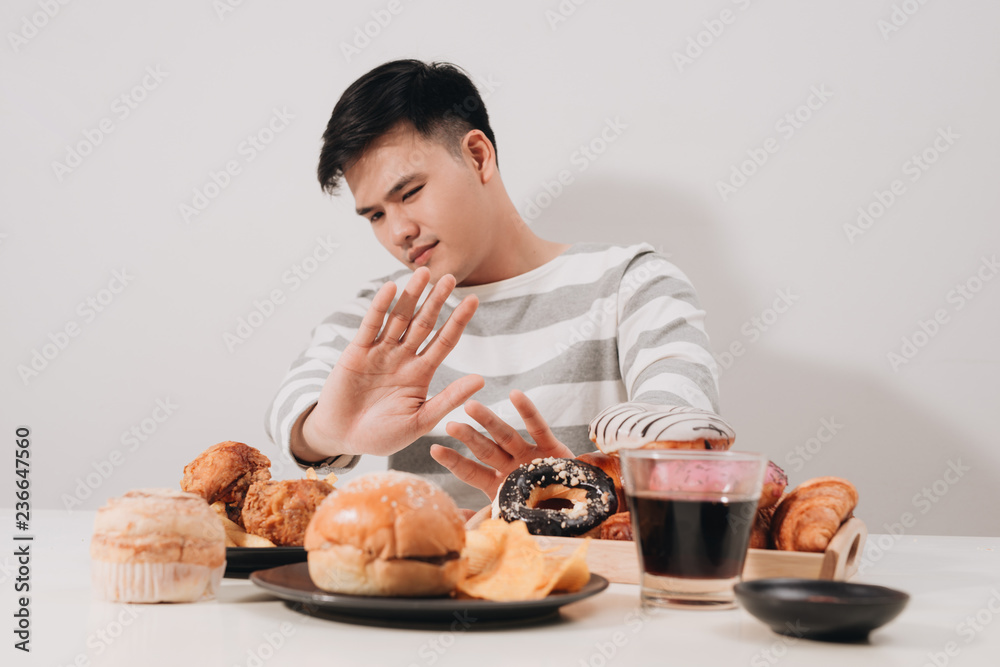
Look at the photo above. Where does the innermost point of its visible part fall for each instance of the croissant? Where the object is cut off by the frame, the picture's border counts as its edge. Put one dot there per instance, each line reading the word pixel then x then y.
pixel 760 533
pixel 808 517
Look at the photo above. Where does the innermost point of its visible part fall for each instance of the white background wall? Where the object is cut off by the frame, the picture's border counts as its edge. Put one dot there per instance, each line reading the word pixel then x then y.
pixel 551 86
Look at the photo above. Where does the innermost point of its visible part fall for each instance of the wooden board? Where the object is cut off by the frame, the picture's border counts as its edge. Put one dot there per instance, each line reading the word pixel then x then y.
pixel 618 562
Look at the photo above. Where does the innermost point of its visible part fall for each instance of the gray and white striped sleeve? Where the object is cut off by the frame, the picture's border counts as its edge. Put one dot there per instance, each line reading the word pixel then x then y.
pixel 301 387
pixel 662 345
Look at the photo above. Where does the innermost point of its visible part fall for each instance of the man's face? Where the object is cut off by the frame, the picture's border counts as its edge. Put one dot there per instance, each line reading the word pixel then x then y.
pixel 423 204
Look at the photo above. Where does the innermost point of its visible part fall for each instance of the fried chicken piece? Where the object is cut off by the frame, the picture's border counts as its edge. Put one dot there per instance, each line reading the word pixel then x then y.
pixel 224 473
pixel 281 510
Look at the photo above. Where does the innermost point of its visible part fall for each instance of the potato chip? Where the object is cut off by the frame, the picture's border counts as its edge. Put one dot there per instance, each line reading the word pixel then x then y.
pixel 496 527
pixel 481 550
pixel 575 575
pixel 235 535
pixel 245 539
pixel 567 573
pixel 505 563
pixel 516 575
pixel 311 475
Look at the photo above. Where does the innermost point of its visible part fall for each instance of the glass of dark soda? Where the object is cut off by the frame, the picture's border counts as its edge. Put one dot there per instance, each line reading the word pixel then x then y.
pixel 692 512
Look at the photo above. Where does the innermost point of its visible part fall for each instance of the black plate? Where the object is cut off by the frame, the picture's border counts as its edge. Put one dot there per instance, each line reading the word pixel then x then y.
pixel 292 583
pixel 819 609
pixel 241 561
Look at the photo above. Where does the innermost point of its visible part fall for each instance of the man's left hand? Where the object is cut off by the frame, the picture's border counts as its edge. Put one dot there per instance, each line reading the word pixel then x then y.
pixel 505 452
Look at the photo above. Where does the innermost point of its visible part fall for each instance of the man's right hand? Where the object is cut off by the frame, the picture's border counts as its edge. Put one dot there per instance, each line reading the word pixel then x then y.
pixel 375 399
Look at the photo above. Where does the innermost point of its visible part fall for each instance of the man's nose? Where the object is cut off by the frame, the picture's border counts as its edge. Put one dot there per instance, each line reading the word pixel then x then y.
pixel 403 229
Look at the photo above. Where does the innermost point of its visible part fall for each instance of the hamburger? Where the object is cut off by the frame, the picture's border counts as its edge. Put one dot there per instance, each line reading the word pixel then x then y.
pixel 387 534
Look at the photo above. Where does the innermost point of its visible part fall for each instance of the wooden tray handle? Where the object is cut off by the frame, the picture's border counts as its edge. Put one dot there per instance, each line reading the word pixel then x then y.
pixel 843 554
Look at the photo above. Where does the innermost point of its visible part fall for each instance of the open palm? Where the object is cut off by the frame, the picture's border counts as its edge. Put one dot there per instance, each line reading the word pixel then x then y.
pixel 505 452
pixel 375 399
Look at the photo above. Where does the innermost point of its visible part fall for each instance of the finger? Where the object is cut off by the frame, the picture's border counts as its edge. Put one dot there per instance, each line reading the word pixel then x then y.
pixel 426 319
pixel 537 427
pixel 450 398
pixel 503 434
pixel 449 334
pixel 371 324
pixel 472 473
pixel 482 447
pixel 401 314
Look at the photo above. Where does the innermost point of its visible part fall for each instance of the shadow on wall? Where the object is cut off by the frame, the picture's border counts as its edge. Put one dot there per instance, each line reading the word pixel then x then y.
pixel 914 472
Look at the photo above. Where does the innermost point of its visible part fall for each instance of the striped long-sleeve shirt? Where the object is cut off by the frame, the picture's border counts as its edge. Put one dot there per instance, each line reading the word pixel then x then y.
pixel 596 326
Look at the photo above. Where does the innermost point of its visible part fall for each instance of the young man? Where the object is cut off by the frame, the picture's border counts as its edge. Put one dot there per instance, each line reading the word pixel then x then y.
pixel 578 328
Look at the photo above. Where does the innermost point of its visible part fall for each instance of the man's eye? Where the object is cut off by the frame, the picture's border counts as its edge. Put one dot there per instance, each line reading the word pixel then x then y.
pixel 412 192
pixel 375 217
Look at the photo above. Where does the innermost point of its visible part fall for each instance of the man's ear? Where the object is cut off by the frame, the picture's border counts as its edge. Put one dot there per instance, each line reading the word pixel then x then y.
pixel 478 149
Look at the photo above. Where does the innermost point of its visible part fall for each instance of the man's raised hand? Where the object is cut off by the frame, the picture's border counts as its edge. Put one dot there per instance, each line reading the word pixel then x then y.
pixel 505 452
pixel 375 399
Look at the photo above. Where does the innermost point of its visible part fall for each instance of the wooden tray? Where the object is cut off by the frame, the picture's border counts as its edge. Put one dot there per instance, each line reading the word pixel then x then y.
pixel 618 562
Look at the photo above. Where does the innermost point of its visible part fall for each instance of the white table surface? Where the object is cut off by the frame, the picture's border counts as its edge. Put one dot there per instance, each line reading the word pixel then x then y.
pixel 950 580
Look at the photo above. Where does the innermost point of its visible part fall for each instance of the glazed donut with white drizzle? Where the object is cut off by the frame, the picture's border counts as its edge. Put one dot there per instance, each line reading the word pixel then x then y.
pixel 646 426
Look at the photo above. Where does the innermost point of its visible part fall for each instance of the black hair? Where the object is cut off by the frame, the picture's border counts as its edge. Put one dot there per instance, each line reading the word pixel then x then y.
pixel 437 99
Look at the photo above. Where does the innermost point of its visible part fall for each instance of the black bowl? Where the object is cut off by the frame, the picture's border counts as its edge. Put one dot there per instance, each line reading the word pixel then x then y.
pixel 819 609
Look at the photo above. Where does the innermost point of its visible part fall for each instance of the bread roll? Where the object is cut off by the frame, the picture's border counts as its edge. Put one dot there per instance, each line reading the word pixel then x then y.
pixel 389 534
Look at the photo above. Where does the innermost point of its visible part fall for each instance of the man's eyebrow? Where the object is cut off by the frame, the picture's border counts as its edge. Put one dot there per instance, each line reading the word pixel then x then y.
pixel 404 180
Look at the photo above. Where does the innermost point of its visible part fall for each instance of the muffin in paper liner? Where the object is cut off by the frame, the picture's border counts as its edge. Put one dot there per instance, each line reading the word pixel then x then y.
pixel 157 545
pixel 155 582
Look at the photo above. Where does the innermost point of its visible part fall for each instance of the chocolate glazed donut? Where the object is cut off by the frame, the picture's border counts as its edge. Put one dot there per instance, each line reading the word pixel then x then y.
pixel 558 497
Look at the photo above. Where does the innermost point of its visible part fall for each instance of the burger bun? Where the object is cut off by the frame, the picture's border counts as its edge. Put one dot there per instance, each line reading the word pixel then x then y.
pixel 386 534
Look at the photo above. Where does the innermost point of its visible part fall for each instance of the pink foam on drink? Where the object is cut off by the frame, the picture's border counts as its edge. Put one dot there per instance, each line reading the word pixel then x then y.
pixel 698 476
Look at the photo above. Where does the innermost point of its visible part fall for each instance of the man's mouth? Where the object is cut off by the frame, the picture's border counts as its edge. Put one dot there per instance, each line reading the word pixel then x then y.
pixel 422 254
